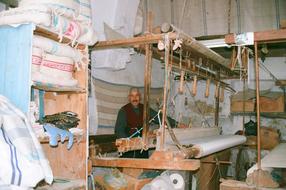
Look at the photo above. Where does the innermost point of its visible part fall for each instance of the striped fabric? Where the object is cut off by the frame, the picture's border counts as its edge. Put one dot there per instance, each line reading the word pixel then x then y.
pixel 110 98
pixel 23 162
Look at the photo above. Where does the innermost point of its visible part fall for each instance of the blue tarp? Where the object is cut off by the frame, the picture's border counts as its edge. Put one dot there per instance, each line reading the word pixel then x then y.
pixel 15 64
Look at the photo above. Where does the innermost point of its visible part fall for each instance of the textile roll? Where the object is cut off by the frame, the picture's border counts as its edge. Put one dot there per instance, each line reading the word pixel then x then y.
pixel 212 144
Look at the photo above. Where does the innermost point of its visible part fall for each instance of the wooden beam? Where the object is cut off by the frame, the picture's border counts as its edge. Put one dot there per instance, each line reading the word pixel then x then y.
pixel 48 34
pixel 145 39
pixel 257 106
pixel 186 164
pixel 147 83
pixel 264 36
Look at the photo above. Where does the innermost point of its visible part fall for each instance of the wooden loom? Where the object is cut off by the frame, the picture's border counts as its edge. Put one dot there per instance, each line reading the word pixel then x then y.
pixel 199 61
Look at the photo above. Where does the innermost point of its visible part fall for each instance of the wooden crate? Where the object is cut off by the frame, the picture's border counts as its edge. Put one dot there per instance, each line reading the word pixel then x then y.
pixel 266 105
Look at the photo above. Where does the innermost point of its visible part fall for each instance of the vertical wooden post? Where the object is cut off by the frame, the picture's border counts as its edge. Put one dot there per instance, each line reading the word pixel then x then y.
pixel 257 106
pixel 147 82
pixel 217 94
pixel 166 86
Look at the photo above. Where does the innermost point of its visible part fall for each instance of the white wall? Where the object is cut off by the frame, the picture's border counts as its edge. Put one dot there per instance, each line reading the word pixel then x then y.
pixel 215 16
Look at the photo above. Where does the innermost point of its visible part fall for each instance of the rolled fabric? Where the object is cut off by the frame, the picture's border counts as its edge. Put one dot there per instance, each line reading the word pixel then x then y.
pixel 212 144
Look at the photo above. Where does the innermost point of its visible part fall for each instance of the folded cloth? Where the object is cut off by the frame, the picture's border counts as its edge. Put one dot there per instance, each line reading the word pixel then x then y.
pixel 56 48
pixel 37 14
pixel 55 132
pixel 23 162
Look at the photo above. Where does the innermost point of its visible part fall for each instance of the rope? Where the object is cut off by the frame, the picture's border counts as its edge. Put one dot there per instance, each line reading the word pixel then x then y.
pixel 183 14
pixel 200 111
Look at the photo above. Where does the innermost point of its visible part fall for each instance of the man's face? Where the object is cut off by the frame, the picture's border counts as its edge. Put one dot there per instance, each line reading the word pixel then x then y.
pixel 134 98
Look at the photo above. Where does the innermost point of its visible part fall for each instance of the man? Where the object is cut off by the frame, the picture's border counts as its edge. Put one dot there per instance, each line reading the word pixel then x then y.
pixel 130 120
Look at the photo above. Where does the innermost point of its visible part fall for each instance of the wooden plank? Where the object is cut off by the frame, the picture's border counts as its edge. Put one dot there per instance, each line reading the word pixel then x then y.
pixel 57 88
pixel 48 34
pixel 264 36
pixel 147 83
pixel 187 164
pixel 145 39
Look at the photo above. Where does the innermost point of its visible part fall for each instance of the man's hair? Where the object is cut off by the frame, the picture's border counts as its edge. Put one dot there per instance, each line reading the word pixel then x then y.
pixel 132 89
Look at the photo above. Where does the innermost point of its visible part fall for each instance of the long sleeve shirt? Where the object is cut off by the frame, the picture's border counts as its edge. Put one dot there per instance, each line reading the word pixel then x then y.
pixel 121 127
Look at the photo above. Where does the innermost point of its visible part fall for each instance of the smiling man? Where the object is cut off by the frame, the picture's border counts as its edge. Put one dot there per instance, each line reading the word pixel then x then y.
pixel 130 119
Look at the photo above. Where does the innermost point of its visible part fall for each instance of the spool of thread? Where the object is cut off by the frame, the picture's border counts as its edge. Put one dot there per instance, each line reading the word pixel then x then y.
pixel 182 82
pixel 177 181
pixel 207 88
pixel 194 90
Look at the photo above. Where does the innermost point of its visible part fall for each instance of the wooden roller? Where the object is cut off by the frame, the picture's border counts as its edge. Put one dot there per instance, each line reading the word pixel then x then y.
pixel 221 94
pixel 194 90
pixel 182 82
pixel 207 88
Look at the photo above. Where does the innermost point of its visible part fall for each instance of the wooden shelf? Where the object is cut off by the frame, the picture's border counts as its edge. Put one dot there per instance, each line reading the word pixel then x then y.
pixel 57 88
pixel 65 184
pixel 52 35
pixel 279 115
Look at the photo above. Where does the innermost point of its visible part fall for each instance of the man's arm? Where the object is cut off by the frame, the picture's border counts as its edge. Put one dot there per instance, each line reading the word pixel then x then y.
pixel 121 124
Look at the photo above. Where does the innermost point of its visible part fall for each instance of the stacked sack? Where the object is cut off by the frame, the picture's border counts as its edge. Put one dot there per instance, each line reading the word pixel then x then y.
pixel 53 62
pixel 70 18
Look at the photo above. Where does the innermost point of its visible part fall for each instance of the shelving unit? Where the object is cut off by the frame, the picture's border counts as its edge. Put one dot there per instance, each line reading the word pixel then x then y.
pixel 69 164
pixel 57 88
pixel 15 83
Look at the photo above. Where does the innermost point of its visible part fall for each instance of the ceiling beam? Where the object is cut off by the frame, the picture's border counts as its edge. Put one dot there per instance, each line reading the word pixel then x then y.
pixel 264 36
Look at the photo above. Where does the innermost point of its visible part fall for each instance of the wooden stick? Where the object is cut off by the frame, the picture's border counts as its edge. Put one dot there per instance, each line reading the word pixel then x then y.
pixel 145 39
pixel 166 86
pixel 221 94
pixel 186 164
pixel 217 101
pixel 217 90
pixel 207 88
pixel 147 83
pixel 182 82
pixel 257 107
pixel 194 90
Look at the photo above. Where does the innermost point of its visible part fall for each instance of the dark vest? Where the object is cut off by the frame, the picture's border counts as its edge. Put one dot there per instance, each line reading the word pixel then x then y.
pixel 134 120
